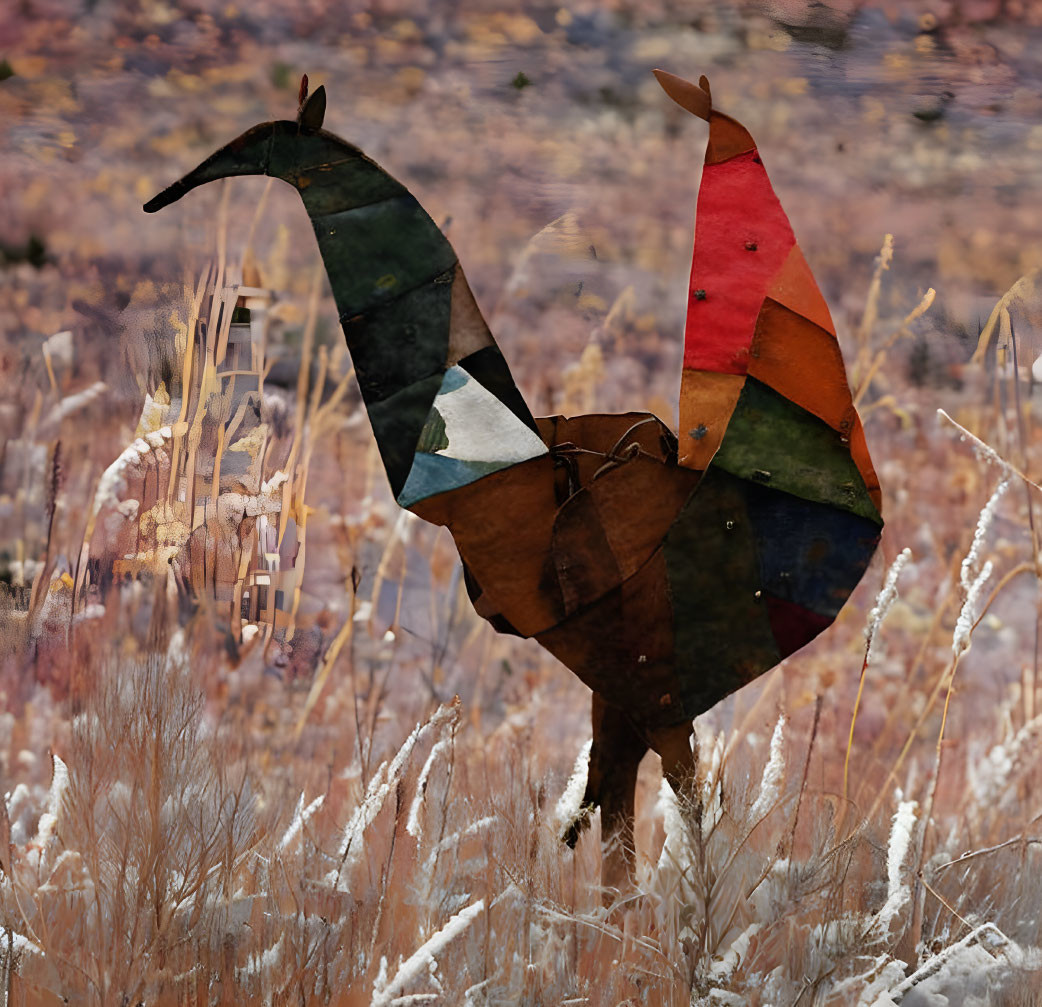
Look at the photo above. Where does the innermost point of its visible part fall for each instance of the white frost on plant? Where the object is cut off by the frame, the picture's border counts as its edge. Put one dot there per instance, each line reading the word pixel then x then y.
pixel 676 854
pixel 943 977
pixel 270 486
pixel 72 404
pixel 897 893
pixel 570 802
pixel 19 943
pixel 989 776
pixel 712 784
pixel 455 839
pixel 403 527
pixel 983 451
pixel 984 520
pixel 887 596
pixel 973 582
pixel 384 781
pixel 49 819
pixel 260 965
pixel 412 825
pixel 723 965
pixel 112 486
pixel 773 774
pixel 20 812
pixel 882 974
pixel 967 614
pixel 423 960
pixel 300 819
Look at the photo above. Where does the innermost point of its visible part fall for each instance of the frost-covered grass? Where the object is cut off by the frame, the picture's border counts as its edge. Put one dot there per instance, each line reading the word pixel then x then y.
pixel 364 805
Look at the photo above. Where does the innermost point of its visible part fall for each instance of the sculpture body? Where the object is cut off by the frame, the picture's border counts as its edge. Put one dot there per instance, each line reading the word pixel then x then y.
pixel 665 571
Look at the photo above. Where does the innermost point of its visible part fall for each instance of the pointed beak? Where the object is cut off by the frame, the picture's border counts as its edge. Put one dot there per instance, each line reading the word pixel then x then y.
pixel 245 155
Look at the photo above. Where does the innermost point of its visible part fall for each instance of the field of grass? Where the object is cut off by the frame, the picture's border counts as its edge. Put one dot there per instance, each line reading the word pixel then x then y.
pixel 255 745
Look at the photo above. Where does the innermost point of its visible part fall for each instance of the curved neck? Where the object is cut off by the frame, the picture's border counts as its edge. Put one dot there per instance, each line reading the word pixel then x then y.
pixel 404 303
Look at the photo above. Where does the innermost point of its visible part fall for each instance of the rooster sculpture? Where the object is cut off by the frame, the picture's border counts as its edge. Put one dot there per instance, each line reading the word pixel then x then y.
pixel 666 571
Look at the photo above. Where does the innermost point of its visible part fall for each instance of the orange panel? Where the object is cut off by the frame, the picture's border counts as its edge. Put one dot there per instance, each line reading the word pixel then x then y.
pixel 707 399
pixel 794 286
pixel 803 362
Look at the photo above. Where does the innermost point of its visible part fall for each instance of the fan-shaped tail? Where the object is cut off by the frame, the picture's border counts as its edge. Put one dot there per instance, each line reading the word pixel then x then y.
pixel 787 513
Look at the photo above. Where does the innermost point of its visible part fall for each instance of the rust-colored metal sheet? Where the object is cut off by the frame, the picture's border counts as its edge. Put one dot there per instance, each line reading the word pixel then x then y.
pixel 803 362
pixel 793 285
pixel 707 399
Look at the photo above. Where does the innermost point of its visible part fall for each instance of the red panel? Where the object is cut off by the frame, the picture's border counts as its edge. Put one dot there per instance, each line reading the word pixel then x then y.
pixel 742 239
pixel 793 625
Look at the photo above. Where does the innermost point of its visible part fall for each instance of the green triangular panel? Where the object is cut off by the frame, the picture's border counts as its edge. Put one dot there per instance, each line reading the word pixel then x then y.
pixel 776 443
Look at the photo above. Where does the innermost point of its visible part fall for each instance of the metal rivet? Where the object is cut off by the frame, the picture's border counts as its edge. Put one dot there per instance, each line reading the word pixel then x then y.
pixel 699 295
pixel 750 246
pixel 729 525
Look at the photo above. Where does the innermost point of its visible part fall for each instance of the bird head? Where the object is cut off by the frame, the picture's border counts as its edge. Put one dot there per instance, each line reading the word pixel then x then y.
pixel 300 152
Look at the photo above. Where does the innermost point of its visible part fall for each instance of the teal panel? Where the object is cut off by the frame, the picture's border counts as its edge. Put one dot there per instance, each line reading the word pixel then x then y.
pixel 433 474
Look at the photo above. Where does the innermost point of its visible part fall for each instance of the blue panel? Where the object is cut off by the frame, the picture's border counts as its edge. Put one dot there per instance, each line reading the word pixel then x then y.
pixel 432 474
pixel 810 554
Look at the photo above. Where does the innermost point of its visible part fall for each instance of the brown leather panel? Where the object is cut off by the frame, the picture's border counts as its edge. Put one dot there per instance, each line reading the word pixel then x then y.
pixel 622 647
pixel 608 530
pixel 691 97
pixel 503 526
pixel 637 502
pixel 727 138
pixel 468 332
pixel 707 399
pixel 586 568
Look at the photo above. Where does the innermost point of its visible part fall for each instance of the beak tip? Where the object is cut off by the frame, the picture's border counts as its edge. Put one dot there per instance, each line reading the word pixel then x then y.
pixel 171 194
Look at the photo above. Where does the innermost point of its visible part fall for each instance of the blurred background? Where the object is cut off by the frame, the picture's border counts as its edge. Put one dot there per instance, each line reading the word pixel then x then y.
pixel 904 141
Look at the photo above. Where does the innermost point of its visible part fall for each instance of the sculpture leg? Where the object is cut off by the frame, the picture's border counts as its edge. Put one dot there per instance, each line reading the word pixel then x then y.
pixel 679 766
pixel 611 781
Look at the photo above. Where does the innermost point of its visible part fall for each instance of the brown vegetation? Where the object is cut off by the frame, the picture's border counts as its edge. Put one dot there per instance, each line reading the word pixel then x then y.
pixel 202 808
